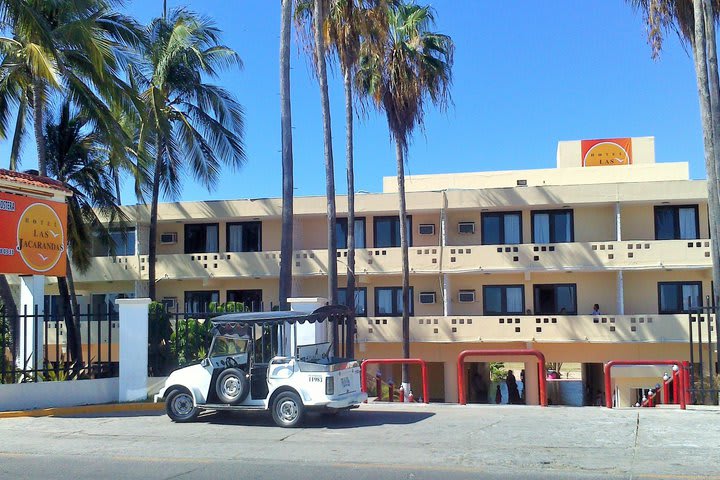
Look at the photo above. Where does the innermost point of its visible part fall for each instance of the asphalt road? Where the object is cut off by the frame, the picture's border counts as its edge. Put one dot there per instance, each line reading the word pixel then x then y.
pixel 375 442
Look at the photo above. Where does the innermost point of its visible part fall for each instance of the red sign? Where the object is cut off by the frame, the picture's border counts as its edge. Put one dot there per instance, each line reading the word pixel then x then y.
pixel 606 152
pixel 33 236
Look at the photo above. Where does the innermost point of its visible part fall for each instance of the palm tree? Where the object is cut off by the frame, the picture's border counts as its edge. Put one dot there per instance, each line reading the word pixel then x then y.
pixel 311 17
pixel 77 156
pixel 694 23
pixel 413 65
pixel 349 23
pixel 188 123
pixel 286 246
pixel 75 49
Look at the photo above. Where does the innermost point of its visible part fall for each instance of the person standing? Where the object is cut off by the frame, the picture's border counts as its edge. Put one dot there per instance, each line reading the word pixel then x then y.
pixel 513 393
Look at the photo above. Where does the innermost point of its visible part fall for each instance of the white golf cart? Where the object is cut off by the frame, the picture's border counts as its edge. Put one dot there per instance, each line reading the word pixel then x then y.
pixel 243 371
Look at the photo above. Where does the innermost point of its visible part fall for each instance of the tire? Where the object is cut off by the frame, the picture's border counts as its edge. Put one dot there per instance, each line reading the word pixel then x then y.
pixel 180 407
pixel 288 410
pixel 232 386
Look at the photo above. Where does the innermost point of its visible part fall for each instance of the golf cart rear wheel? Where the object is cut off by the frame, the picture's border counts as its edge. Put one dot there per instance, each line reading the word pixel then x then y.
pixel 180 407
pixel 288 409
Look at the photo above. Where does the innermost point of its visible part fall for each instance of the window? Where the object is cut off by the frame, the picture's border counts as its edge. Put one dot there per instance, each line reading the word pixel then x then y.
pixel 388 301
pixel 678 297
pixel 244 237
pixel 466 296
pixel 676 222
pixel 252 299
pixel 199 301
pixel 502 228
pixel 503 300
pixel 552 226
pixel 122 243
pixel 427 297
pixel 341 232
pixel 426 229
pixel 387 231
pixel 466 228
pixel 201 238
pixel 560 299
pixel 360 300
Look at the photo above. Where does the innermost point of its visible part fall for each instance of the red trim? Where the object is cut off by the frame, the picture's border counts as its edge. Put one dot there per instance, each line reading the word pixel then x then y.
pixel 34 180
pixel 501 353
pixel 612 363
pixel 394 361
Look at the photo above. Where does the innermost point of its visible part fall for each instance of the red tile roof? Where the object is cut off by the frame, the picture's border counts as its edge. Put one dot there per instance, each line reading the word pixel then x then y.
pixel 32 180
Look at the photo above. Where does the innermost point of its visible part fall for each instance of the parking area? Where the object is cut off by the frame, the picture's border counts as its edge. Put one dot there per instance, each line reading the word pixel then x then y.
pixel 375 441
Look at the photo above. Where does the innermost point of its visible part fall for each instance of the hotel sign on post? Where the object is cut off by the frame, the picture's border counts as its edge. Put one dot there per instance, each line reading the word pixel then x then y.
pixel 606 152
pixel 33 236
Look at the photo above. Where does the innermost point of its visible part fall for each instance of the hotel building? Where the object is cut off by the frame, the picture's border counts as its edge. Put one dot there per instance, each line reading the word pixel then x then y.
pixel 503 259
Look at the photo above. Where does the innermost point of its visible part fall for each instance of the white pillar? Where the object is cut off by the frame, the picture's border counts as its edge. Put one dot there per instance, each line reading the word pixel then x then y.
pixel 31 331
pixel 620 293
pixel 620 286
pixel 133 313
pixel 446 295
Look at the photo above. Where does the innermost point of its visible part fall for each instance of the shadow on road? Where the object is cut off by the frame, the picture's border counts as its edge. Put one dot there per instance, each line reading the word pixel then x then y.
pixel 139 413
pixel 351 419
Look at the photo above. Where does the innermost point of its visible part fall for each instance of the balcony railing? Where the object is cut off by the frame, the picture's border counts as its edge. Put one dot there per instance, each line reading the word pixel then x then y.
pixel 368 261
pixel 528 328
pixel 579 256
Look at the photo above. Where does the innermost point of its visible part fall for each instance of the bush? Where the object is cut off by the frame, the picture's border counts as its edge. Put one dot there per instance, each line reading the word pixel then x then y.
pixel 159 338
pixel 191 338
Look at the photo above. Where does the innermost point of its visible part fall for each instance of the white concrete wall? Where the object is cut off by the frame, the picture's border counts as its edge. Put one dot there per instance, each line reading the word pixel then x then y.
pixel 27 396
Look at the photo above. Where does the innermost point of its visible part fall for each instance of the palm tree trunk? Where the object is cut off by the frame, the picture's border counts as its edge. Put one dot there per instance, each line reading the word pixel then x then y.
pixel 116 178
pixel 349 154
pixel 11 311
pixel 38 126
pixel 714 90
pixel 286 243
pixel 319 18
pixel 402 210
pixel 700 56
pixel 69 315
pixel 152 241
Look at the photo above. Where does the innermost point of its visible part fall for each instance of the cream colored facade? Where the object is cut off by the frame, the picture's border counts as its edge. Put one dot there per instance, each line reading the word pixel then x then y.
pixel 614 259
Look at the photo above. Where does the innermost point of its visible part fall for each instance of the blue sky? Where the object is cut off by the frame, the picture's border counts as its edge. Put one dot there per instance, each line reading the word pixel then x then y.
pixel 525 77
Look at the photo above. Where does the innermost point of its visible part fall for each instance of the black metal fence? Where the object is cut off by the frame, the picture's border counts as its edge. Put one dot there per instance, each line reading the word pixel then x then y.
pixel 42 347
pixel 703 325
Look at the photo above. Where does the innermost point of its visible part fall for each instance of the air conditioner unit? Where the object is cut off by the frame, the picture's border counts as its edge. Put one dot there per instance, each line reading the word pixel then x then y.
pixel 427 297
pixel 426 229
pixel 466 228
pixel 168 238
pixel 466 296
pixel 170 303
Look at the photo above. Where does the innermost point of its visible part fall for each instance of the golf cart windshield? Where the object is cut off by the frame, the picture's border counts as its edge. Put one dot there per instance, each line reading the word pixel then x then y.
pixel 223 346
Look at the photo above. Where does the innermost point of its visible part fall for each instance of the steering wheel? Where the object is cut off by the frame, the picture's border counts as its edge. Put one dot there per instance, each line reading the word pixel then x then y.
pixel 230 362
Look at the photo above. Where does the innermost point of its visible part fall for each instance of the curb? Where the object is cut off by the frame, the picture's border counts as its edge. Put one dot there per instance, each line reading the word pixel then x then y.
pixel 85 409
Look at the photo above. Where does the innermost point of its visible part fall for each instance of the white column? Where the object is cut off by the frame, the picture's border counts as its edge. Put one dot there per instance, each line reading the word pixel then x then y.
pixel 31 331
pixel 133 313
pixel 446 295
pixel 620 293
pixel 620 286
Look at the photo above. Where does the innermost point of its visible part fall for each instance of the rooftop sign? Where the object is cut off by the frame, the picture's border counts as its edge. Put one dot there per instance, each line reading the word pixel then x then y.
pixel 33 236
pixel 606 152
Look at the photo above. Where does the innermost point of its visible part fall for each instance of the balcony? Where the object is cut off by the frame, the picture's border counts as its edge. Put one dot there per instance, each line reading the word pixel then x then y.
pixel 532 328
pixel 104 269
pixel 624 255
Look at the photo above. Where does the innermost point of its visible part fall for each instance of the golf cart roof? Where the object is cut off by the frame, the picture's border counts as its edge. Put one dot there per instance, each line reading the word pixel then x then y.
pixel 233 321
